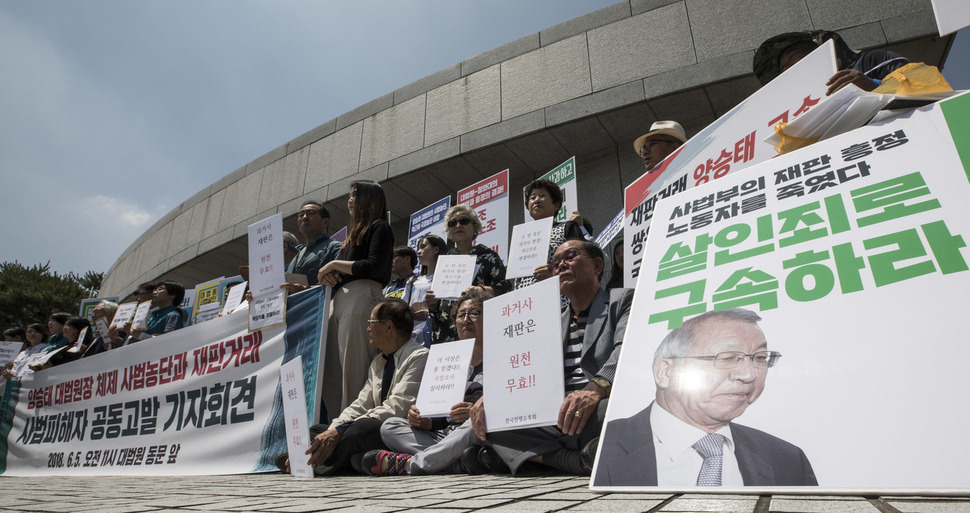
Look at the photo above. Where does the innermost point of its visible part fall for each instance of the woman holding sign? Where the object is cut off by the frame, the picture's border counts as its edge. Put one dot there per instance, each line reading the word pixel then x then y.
pixel 361 269
pixel 429 248
pixel 72 330
pixel 463 226
pixel 416 434
pixel 36 335
pixel 166 316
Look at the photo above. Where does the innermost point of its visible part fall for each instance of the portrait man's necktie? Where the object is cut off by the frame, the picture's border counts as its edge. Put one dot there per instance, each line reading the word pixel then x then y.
pixel 710 447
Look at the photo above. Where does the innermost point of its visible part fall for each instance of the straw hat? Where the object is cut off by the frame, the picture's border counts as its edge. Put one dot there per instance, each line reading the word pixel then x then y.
pixel 671 128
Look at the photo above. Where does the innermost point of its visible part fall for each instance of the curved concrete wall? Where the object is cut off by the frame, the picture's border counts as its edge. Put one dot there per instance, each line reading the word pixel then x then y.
pixel 586 87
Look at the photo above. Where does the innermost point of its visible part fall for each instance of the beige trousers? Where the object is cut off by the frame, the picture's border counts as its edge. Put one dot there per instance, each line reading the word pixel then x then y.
pixel 348 352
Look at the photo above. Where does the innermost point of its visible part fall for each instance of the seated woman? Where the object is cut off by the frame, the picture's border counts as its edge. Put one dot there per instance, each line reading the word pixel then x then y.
pixel 73 329
pixel 417 434
pixel 463 226
pixel 57 340
pixel 70 331
pixel 35 335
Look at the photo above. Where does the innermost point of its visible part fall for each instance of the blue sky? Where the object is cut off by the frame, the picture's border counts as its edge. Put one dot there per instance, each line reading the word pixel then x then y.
pixel 113 112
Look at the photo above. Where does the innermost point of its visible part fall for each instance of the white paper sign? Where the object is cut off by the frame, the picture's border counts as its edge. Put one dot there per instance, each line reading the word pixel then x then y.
pixel 452 275
pixel 523 355
pixel 295 417
pixel 267 310
pixel 140 320
pixel 236 293
pixel 529 247
pixel 951 15
pixel 101 326
pixel 266 266
pixel 43 357
pixel 125 313
pixel 444 378
pixel 9 351
pixel 80 341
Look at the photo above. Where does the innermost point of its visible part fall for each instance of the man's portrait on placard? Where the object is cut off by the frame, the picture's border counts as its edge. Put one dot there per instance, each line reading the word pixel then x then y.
pixel 707 373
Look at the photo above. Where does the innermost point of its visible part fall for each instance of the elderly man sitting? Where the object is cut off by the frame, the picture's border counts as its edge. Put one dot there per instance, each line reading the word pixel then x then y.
pixel 391 388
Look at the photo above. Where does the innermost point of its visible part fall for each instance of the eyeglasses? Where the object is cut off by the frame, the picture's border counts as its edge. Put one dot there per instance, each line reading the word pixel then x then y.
pixel 462 221
pixel 731 359
pixel 649 144
pixel 568 256
pixel 536 196
pixel 471 315
pixel 308 213
pixel 371 322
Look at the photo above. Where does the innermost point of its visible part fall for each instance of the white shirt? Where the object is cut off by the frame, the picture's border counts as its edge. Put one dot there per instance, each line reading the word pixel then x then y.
pixel 678 464
pixel 415 293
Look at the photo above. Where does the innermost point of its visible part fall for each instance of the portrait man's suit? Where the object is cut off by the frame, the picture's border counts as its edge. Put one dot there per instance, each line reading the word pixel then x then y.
pixel 628 456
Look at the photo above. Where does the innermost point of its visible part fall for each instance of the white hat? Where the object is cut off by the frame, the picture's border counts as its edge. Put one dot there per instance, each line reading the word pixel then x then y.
pixel 671 128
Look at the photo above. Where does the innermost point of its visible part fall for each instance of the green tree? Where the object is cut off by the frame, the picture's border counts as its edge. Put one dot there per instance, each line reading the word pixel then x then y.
pixel 31 294
pixel 91 282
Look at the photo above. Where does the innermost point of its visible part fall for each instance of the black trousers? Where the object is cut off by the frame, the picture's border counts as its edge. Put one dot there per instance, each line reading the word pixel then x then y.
pixel 362 436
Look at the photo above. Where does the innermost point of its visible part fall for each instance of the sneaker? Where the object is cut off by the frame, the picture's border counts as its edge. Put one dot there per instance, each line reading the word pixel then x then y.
pixel 385 463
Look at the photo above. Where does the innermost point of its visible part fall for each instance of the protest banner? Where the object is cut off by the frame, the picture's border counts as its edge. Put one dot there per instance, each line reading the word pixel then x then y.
pixel 428 220
pixel 733 142
pixel 294 410
pixel 612 230
pixel 490 200
pixel 444 377
pixel 523 354
pixel 529 247
pixel 200 400
pixel 853 252
pixel 341 235
pixel 563 175
pixel 188 305
pixel 266 265
pixel 453 274
pixel 207 296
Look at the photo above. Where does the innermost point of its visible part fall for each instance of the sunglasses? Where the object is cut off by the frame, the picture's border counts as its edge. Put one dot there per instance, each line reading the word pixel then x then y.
pixel 464 221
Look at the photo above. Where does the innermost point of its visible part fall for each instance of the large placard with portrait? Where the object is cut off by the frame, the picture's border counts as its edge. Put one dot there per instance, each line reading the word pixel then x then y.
pixel 801 324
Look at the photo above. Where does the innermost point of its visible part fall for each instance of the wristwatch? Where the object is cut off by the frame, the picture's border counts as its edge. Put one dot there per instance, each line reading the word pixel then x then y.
pixel 603 383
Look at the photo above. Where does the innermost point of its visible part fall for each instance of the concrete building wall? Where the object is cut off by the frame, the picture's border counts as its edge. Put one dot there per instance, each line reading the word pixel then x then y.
pixel 584 88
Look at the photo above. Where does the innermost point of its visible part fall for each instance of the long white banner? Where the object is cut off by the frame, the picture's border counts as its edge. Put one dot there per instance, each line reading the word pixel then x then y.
pixel 201 400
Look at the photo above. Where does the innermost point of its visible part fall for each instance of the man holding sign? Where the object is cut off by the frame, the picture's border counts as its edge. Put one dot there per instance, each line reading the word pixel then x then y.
pixel 592 331
pixel 391 387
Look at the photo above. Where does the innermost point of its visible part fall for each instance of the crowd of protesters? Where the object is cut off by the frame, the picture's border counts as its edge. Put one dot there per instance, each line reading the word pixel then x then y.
pixel 384 316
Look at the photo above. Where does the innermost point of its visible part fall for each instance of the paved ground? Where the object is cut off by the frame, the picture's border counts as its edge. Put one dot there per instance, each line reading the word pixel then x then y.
pixel 435 494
